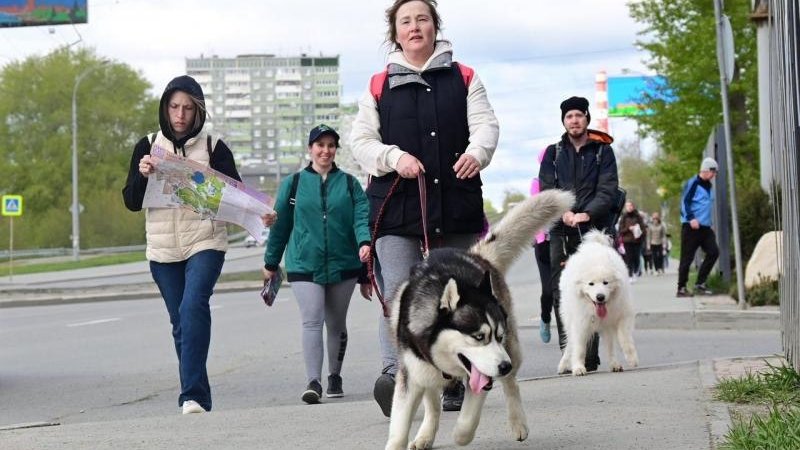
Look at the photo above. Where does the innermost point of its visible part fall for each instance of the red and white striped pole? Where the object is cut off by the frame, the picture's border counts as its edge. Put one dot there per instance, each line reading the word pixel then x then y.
pixel 601 102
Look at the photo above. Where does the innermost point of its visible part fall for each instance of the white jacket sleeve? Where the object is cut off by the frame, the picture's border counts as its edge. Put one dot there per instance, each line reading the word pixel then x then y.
pixel 374 156
pixel 484 130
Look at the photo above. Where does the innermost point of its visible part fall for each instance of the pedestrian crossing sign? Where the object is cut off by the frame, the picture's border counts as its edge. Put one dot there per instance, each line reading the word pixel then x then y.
pixel 12 205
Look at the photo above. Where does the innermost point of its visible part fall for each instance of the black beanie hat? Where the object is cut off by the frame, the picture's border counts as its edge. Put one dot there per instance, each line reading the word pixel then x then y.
pixel 579 103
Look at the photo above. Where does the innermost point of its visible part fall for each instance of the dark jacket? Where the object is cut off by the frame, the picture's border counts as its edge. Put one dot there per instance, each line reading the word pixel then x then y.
pixel 429 122
pixel 593 180
pixel 322 235
pixel 628 220
pixel 221 155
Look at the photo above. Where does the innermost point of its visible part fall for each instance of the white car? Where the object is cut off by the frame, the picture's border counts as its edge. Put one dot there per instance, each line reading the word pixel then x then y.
pixel 250 241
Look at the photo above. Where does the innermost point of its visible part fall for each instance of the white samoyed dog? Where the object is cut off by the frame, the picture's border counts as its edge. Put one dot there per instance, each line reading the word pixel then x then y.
pixel 596 298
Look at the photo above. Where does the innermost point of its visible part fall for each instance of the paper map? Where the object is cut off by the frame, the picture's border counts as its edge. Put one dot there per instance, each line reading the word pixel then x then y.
pixel 179 182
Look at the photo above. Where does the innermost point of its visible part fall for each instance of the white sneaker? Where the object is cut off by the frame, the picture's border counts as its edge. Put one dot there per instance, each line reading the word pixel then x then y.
pixel 192 407
pixel 633 280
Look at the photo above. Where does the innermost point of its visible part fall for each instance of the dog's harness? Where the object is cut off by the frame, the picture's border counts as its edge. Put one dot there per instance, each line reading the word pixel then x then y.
pixel 423 204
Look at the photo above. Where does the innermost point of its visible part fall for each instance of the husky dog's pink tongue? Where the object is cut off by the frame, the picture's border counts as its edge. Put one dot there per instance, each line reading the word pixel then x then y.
pixel 477 380
pixel 601 310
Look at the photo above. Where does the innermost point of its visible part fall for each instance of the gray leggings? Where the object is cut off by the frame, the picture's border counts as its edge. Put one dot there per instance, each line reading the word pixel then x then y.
pixel 395 256
pixel 323 304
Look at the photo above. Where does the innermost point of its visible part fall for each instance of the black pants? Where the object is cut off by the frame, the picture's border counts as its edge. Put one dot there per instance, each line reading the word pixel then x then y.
pixel 691 240
pixel 657 253
pixel 560 249
pixel 633 254
pixel 542 251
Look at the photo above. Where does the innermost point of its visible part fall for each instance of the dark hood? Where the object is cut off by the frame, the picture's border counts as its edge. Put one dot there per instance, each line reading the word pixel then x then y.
pixel 186 84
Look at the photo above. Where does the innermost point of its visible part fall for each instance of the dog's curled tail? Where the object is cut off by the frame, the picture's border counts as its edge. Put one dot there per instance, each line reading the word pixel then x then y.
pixel 506 240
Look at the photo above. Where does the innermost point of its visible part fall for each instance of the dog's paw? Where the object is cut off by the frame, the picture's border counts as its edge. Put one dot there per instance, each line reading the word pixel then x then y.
pixel 462 436
pixel 578 371
pixel 615 366
pixel 519 431
pixel 421 443
pixel 633 362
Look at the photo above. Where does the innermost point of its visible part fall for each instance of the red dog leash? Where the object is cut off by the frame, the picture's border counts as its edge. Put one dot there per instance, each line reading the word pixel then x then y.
pixel 423 204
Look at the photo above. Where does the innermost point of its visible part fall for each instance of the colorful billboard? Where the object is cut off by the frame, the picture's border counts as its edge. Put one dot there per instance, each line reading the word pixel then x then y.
pixel 625 94
pixel 23 13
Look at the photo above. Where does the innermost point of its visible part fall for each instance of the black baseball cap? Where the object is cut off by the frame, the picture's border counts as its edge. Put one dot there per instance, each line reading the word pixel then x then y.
pixel 320 130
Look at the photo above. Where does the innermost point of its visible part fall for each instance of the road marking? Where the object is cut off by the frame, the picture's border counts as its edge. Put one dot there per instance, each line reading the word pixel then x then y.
pixel 93 322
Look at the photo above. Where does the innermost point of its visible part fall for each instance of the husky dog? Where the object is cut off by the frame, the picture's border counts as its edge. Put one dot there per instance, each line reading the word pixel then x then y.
pixel 453 318
pixel 595 296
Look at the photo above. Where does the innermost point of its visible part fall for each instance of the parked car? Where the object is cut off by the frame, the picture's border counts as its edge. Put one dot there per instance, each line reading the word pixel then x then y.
pixel 250 241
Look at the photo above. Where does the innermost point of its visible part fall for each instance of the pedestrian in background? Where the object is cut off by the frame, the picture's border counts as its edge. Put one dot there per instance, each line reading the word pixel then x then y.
pixel 656 240
pixel 632 231
pixel 541 247
pixel 697 205
pixel 322 226
pixel 582 162
pixel 185 250
pixel 425 114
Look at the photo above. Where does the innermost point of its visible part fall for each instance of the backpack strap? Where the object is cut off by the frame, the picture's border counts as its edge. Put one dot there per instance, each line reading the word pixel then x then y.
pixel 208 147
pixel 376 84
pixel 350 181
pixel 293 190
pixel 152 138
pixel 377 81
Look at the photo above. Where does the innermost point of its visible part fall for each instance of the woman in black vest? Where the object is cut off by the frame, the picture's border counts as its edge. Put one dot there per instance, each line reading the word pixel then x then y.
pixel 424 114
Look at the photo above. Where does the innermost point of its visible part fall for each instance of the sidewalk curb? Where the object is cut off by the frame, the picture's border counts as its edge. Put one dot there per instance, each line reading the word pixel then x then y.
pixel 72 298
pixel 709 320
pixel 719 417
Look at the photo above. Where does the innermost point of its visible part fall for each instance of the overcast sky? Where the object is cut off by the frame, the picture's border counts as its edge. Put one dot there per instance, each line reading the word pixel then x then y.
pixel 530 54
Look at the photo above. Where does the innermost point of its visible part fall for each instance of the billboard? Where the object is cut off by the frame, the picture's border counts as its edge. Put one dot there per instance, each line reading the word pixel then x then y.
pixel 626 92
pixel 23 13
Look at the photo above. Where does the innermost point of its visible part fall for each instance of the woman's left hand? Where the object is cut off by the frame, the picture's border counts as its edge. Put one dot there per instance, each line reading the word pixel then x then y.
pixel 363 253
pixel 269 218
pixel 466 167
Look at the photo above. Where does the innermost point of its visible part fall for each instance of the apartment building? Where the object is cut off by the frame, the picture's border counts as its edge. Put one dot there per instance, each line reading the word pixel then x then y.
pixel 264 105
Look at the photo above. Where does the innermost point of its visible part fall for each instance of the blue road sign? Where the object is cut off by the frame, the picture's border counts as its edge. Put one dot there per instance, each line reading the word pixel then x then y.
pixel 12 205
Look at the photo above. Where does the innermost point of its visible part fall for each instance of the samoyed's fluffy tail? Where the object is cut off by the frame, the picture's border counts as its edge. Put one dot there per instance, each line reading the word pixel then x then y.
pixel 506 240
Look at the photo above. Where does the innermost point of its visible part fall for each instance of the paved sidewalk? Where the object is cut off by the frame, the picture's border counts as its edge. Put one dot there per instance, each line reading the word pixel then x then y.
pixel 662 407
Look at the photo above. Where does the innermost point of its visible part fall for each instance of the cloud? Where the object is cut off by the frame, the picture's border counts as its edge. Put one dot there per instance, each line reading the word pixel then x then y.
pixel 530 54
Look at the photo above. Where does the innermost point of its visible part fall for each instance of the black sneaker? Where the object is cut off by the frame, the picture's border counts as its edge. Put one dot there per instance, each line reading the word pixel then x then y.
pixel 702 289
pixel 313 393
pixel 383 392
pixel 683 292
pixel 334 387
pixel 453 396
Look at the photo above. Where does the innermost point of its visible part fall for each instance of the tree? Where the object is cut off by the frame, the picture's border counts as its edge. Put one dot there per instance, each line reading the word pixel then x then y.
pixel 510 198
pixel 680 36
pixel 114 110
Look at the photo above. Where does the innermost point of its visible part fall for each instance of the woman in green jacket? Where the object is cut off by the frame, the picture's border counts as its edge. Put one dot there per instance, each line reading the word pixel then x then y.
pixel 325 234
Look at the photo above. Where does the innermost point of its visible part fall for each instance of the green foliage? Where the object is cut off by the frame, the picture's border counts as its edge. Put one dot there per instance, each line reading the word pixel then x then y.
pixel 491 212
pixel 511 198
pixel 776 385
pixel 680 37
pixel 766 292
pixel 756 216
pixel 113 111
pixel 86 261
pixel 780 429
pixel 778 388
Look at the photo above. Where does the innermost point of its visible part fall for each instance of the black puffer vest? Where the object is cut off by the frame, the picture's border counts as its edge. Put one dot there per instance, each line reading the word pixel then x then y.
pixel 429 122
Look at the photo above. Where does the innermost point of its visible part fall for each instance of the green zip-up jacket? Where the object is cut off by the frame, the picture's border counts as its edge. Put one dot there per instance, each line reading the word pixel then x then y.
pixel 322 233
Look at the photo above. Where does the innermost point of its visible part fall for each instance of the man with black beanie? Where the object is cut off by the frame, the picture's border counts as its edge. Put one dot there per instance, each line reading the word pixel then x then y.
pixel 582 162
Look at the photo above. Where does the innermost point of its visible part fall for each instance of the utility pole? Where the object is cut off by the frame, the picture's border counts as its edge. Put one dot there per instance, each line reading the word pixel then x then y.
pixel 725 61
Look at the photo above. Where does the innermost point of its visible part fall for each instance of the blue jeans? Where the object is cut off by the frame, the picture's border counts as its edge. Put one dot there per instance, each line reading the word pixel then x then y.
pixel 186 287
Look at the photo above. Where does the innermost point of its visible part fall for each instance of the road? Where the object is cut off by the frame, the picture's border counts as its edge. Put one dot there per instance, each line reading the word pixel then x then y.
pixel 115 360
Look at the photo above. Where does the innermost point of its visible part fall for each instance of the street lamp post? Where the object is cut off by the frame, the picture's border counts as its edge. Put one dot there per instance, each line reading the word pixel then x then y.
pixel 76 239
